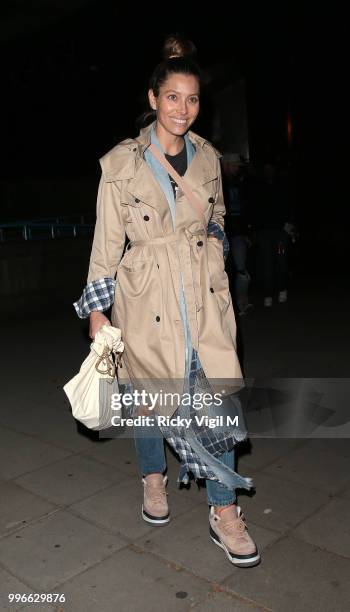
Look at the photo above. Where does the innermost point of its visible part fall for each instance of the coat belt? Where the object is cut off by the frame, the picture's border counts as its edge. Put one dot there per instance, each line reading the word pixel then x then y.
pixel 189 262
pixel 169 238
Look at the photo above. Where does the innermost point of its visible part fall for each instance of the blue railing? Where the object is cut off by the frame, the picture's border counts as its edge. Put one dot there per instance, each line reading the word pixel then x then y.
pixel 48 228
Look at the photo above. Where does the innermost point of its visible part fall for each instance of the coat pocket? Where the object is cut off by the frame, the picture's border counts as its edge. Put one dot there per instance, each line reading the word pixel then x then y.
pixel 139 296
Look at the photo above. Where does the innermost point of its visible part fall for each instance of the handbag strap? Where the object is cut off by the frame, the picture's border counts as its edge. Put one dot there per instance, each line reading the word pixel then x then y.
pixel 196 203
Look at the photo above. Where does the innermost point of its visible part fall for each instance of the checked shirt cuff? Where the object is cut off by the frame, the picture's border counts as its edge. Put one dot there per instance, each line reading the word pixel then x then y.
pixel 97 295
pixel 214 229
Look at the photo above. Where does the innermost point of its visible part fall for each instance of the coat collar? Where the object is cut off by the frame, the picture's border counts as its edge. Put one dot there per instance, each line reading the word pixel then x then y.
pixel 144 138
pixel 126 160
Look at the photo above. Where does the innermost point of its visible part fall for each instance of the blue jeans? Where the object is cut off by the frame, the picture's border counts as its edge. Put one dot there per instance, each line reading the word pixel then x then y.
pixel 151 457
pixel 239 250
pixel 272 248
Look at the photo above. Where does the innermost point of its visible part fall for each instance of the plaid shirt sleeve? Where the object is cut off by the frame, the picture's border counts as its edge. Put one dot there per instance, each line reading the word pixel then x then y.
pixel 97 295
pixel 214 229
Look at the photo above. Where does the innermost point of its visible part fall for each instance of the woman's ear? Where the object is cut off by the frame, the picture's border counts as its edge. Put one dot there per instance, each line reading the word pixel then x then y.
pixel 152 99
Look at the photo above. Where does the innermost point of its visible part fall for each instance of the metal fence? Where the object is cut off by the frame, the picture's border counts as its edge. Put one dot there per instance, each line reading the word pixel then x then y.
pixel 48 228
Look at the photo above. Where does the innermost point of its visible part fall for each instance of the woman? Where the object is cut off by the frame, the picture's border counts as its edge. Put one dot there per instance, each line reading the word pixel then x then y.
pixel 171 297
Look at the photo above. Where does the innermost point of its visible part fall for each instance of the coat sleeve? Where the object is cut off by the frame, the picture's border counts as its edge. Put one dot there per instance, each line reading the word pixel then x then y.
pixel 216 222
pixel 109 236
pixel 106 253
pixel 219 209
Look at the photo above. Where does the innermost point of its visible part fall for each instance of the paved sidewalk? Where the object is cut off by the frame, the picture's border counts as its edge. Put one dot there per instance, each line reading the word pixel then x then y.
pixel 70 519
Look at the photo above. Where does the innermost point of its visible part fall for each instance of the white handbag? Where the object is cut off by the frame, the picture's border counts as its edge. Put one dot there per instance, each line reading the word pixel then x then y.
pixel 90 391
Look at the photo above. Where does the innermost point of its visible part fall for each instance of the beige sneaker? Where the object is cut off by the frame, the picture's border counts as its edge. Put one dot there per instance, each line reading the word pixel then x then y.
pixel 155 508
pixel 228 531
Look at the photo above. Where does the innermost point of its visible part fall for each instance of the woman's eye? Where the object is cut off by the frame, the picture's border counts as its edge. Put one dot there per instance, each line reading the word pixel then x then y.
pixel 172 97
pixel 194 100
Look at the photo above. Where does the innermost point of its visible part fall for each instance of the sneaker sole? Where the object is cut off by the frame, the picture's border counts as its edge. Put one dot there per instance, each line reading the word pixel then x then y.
pixel 238 561
pixel 154 520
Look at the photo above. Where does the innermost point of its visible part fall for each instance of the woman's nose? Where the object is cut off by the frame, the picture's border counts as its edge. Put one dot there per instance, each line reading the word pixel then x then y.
pixel 183 107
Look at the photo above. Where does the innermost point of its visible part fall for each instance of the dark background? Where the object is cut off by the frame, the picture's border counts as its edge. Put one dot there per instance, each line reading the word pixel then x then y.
pixel 74 79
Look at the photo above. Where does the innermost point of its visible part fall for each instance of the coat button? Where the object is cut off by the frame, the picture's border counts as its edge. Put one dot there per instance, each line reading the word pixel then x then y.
pixel 211 289
pixel 146 218
pixel 211 200
pixel 135 149
pixel 137 200
pixel 199 243
pixel 157 318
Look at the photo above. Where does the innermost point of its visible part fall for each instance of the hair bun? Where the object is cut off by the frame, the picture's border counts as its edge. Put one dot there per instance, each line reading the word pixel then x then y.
pixel 176 45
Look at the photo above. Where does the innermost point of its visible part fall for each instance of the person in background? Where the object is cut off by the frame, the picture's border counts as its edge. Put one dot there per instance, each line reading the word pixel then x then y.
pixel 271 216
pixel 236 225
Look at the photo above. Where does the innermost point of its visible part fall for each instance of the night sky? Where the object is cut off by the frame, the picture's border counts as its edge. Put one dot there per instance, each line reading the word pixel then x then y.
pixel 75 79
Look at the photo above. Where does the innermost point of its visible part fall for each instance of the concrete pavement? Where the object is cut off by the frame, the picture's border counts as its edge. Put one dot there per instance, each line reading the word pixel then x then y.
pixel 70 520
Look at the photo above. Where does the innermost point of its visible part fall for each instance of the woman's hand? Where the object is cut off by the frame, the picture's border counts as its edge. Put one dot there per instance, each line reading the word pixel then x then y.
pixel 97 319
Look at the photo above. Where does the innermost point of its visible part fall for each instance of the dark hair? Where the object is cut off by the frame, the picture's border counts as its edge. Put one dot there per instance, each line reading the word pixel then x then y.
pixel 176 45
pixel 178 58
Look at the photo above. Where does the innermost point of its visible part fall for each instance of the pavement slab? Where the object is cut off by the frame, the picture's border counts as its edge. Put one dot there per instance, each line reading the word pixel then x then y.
pixel 258 453
pixel 19 507
pixel 311 465
pixel 70 480
pixel 279 504
pixel 328 528
pixel 56 548
pixel 20 453
pixel 133 580
pixel 294 576
pixel 11 584
pixel 226 602
pixel 119 453
pixel 46 421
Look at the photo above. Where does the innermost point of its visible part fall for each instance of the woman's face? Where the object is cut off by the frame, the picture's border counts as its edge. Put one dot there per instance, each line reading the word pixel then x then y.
pixel 177 104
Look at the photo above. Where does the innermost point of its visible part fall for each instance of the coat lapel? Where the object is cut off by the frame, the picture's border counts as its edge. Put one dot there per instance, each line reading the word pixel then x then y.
pixel 200 171
pixel 143 185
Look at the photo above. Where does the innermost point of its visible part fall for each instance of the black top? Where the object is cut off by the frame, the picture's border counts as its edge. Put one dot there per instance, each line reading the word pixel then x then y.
pixel 179 163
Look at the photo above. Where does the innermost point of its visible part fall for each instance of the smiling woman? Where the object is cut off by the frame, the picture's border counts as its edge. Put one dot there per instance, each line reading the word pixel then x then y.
pixel 171 296
pixel 177 107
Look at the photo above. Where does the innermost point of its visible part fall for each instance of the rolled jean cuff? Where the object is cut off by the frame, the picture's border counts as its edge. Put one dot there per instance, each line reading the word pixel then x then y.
pixel 220 503
pixel 156 470
pixel 217 493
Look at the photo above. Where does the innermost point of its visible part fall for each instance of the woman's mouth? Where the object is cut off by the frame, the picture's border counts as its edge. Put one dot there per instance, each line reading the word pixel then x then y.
pixel 179 121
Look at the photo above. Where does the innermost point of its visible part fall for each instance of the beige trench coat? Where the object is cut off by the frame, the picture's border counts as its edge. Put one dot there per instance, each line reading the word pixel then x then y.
pixel 146 307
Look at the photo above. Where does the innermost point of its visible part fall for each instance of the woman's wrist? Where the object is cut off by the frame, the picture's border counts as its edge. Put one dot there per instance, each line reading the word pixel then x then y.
pixel 96 314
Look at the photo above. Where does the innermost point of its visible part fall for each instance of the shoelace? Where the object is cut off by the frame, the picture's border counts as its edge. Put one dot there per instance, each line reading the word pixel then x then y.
pixel 156 494
pixel 234 526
